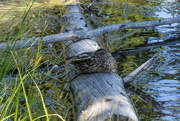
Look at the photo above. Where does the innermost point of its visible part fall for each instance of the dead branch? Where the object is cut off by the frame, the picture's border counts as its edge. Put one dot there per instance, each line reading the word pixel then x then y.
pixel 80 33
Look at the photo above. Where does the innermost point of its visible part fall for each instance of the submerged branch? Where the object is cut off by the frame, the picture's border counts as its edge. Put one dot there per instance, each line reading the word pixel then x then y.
pixel 140 48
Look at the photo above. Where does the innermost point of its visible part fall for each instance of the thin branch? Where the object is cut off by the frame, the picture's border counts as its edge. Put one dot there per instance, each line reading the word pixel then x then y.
pixel 143 68
pixel 35 41
pixel 130 25
pixel 87 34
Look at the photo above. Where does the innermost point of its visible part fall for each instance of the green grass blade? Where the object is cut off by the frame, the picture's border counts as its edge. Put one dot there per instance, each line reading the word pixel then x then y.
pixel 24 91
pixel 44 106
pixel 17 104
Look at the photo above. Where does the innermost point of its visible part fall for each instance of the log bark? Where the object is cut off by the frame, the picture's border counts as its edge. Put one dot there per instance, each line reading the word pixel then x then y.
pixel 97 96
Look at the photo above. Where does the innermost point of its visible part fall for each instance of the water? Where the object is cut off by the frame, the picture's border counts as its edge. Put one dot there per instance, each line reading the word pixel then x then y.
pixel 164 84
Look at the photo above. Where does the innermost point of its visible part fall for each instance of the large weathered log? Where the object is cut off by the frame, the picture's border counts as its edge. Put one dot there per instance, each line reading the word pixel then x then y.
pixel 97 96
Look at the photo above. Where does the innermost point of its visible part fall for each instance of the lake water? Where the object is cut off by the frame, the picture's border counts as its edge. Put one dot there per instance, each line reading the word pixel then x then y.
pixel 164 82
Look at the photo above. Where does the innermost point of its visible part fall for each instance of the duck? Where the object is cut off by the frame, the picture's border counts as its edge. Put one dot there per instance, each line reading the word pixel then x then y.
pixel 99 61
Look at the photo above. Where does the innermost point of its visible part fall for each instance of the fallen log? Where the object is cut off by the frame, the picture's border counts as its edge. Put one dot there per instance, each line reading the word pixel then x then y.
pixel 97 96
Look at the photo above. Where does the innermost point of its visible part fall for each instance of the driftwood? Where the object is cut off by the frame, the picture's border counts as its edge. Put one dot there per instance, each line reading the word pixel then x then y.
pixel 97 96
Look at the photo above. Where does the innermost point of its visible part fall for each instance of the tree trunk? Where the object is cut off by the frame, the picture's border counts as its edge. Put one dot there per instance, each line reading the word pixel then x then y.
pixel 97 96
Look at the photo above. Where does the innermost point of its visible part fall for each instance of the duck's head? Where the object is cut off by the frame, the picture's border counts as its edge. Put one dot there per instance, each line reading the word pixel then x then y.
pixel 103 52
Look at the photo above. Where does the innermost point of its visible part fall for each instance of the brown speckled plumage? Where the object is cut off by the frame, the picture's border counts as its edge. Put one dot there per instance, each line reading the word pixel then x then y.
pixel 92 62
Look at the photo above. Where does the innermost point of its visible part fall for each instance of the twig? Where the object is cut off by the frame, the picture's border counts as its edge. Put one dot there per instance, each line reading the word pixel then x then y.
pixel 143 68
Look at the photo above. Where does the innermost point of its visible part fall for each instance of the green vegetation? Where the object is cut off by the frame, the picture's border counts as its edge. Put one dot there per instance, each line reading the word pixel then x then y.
pixel 31 94
pixel 24 93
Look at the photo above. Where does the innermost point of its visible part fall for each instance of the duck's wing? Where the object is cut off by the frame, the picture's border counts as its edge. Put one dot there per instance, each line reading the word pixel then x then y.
pixel 82 56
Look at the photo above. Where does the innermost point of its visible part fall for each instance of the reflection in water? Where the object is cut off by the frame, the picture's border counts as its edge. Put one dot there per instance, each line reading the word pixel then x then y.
pixel 164 84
